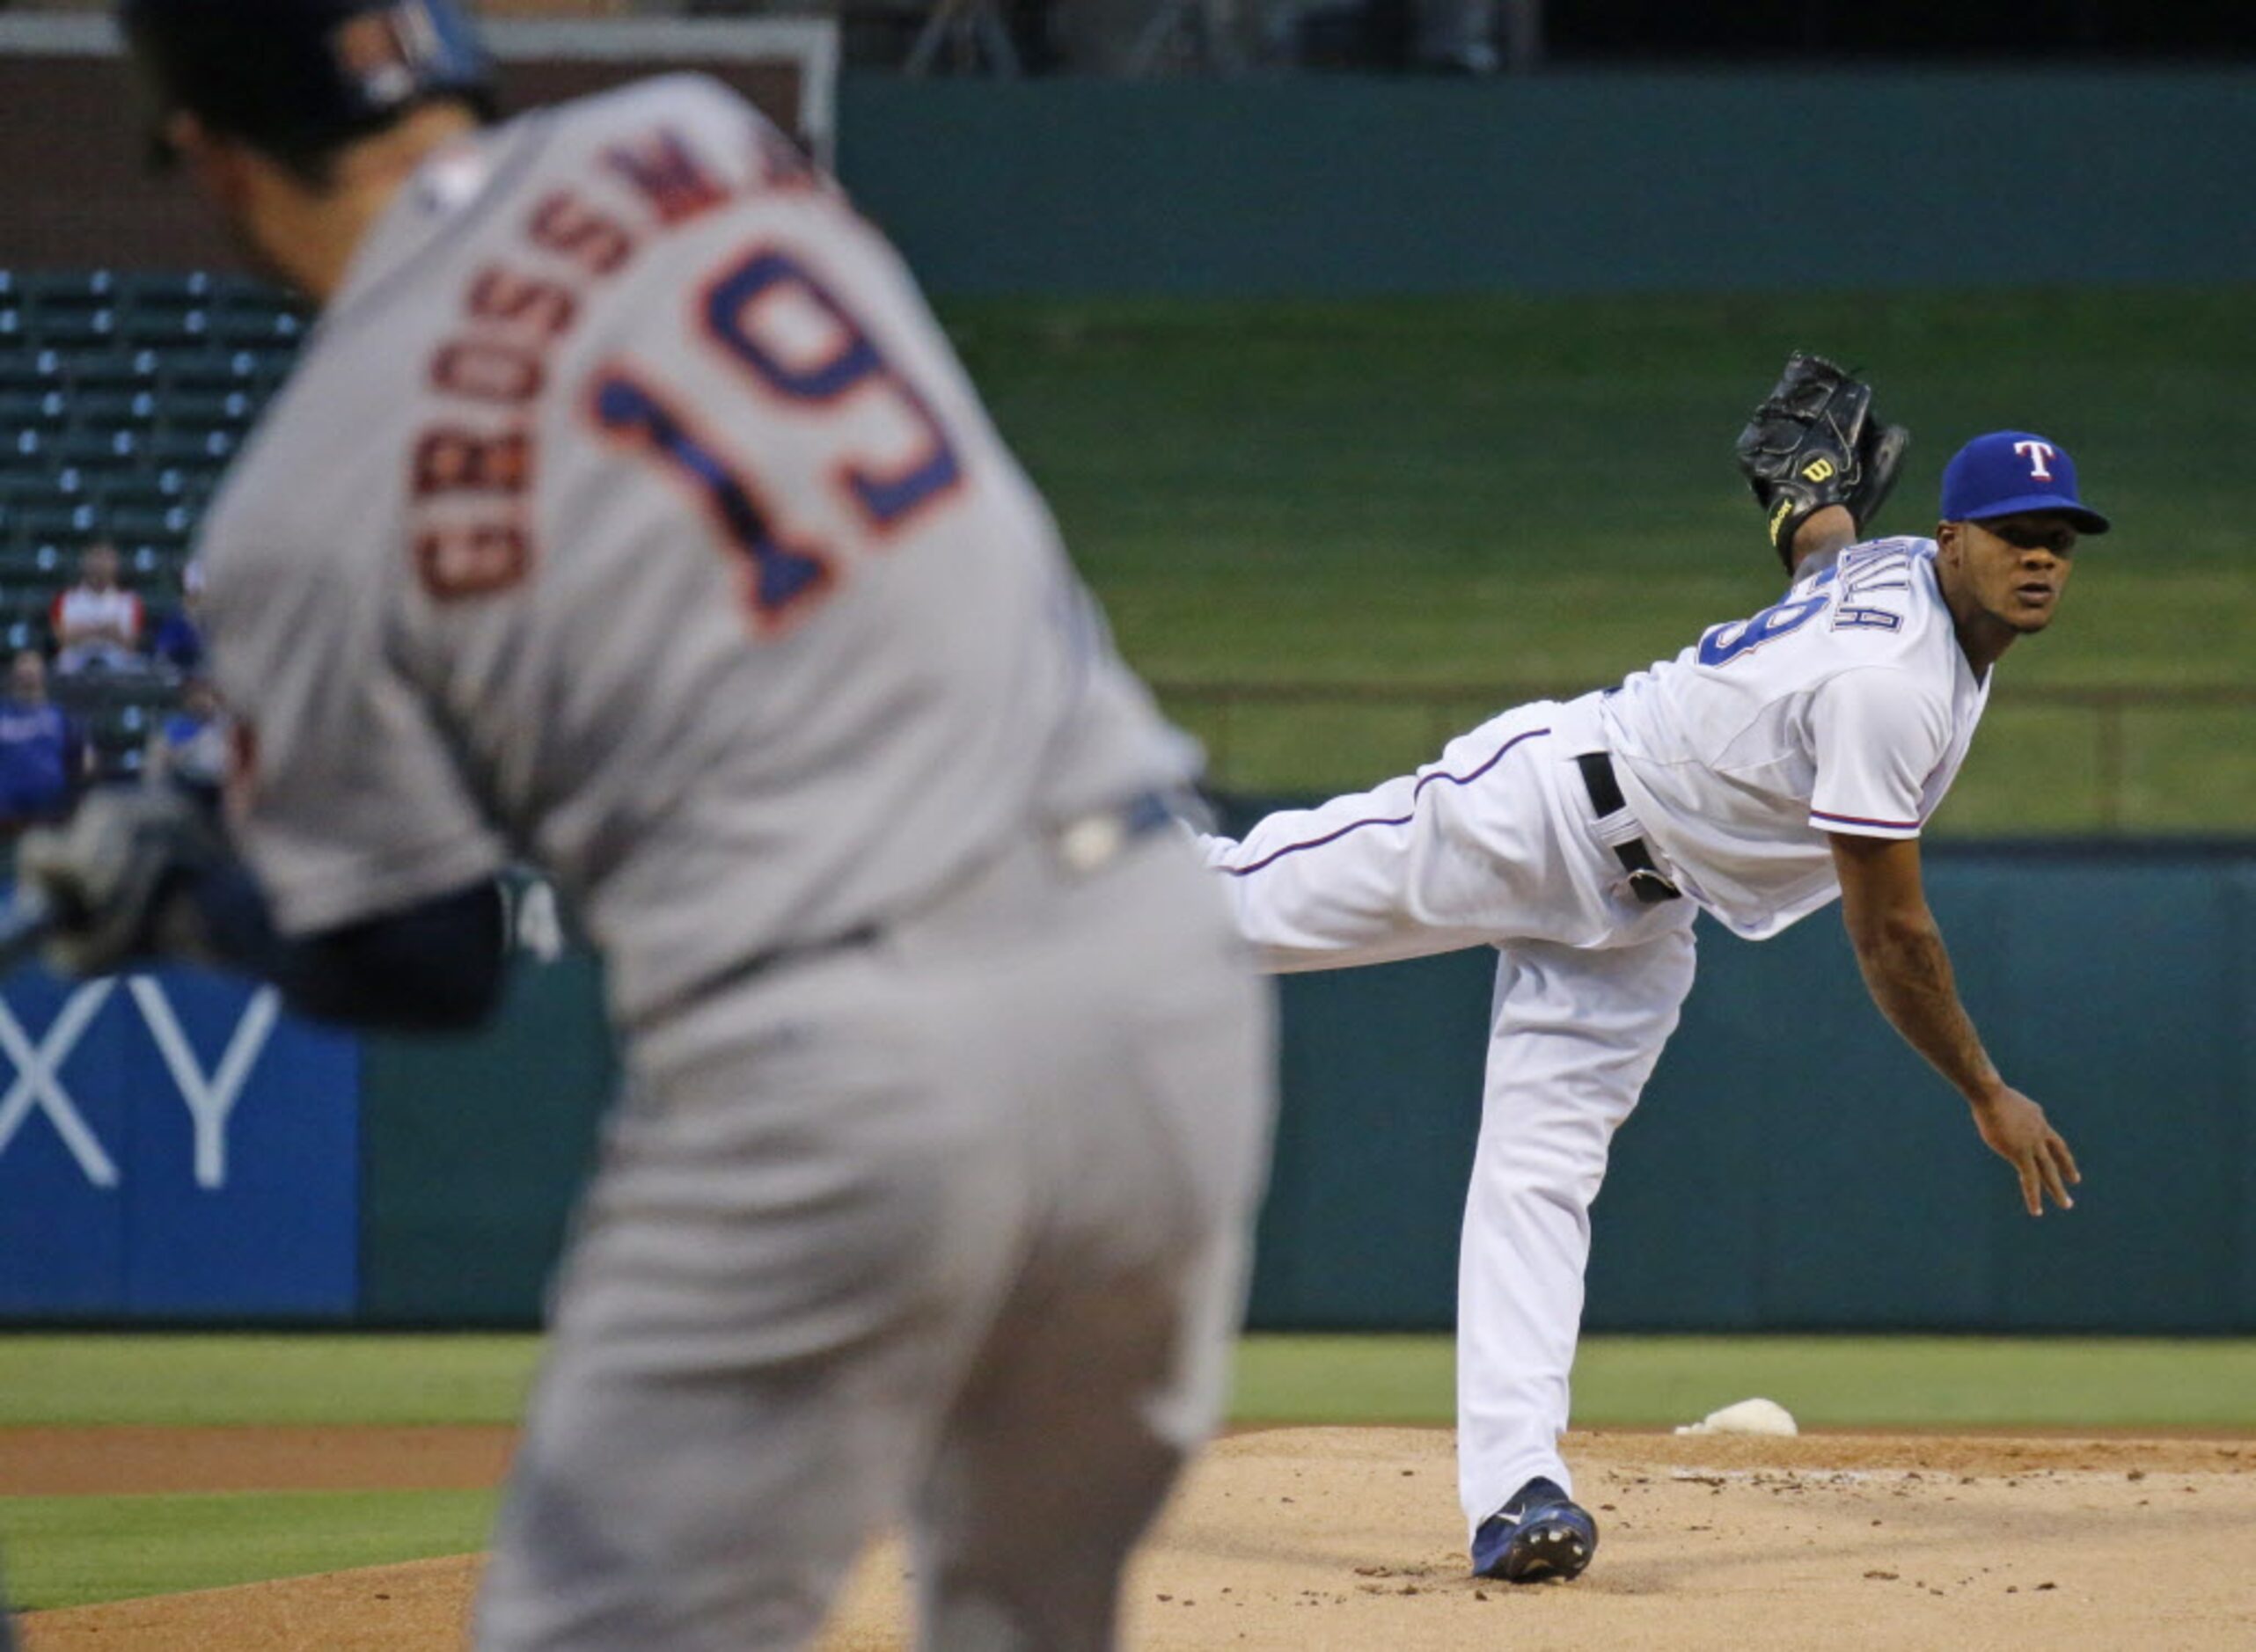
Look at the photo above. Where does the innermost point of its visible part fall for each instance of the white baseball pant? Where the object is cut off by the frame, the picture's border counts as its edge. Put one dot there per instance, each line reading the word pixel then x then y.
pixel 1573 1036
pixel 1497 842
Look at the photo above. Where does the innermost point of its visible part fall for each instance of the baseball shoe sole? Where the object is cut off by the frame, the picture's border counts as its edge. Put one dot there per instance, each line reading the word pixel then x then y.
pixel 1540 1534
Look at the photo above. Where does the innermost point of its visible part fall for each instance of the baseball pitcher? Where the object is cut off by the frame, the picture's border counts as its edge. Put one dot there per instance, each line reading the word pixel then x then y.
pixel 628 513
pixel 1782 761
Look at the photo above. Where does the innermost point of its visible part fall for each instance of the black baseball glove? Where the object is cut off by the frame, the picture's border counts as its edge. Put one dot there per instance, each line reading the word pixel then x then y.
pixel 1815 442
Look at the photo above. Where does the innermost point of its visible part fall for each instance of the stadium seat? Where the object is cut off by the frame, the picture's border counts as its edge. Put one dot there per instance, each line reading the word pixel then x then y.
pixel 30 369
pixel 271 367
pixel 189 484
pixel 34 605
pixel 81 483
pixel 110 409
pixel 33 409
pixel 74 329
pixel 23 624
pixel 112 370
pixel 50 523
pixel 159 329
pixel 254 328
pixel 145 561
pixel 95 450
pixel 242 295
pixel 38 568
pixel 156 560
pixel 211 371
pixel 45 290
pixel 231 287
pixel 189 449
pixel 208 410
pixel 140 488
pixel 146 523
pixel 165 311
pixel 138 289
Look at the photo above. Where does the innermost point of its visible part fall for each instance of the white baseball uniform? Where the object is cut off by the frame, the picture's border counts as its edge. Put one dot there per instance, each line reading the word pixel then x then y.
pixel 1846 708
pixel 628 511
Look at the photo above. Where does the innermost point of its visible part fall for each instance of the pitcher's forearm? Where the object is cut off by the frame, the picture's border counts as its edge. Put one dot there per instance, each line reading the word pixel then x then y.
pixel 1908 970
pixel 1819 540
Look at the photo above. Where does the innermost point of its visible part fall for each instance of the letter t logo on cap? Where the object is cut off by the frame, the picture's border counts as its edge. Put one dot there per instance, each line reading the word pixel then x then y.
pixel 2038 454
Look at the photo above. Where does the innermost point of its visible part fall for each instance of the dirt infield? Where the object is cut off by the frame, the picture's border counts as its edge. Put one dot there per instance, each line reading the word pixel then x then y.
pixel 1307 1540
pixel 89 1462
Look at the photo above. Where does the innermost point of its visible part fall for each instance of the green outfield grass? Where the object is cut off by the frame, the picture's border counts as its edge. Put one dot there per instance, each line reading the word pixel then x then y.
pixel 74 1550
pixel 1508 491
pixel 206 1380
pixel 1621 1381
pixel 1846 1382
pixel 67 1551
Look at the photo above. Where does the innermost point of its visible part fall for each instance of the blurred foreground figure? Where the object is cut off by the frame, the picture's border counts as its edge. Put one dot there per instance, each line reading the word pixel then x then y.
pixel 628 513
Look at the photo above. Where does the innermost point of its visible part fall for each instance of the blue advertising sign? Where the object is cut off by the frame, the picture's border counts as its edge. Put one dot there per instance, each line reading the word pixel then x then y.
pixel 174 1145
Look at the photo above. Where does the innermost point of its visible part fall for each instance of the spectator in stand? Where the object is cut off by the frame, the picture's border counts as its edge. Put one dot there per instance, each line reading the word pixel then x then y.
pixel 98 621
pixel 179 645
pixel 44 757
pixel 189 749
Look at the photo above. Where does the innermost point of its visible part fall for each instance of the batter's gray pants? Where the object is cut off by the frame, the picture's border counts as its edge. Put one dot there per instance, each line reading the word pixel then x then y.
pixel 947 1231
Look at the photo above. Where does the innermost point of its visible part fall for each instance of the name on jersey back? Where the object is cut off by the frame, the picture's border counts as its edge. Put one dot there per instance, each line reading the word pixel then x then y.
pixel 473 463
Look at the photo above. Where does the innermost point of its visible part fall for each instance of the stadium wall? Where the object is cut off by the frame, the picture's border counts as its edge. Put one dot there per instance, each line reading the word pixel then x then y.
pixel 1792 1166
pixel 1344 184
pixel 1567 182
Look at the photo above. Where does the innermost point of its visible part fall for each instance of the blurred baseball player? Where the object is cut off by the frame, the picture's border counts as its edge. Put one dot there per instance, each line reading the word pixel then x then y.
pixel 1781 761
pixel 628 512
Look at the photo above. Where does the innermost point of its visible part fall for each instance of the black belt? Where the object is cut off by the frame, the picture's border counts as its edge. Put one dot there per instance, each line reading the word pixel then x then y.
pixel 1082 844
pixel 1647 881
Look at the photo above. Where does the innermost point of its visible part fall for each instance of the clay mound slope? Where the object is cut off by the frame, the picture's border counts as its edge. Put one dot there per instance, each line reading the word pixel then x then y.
pixel 418 1604
pixel 1303 1540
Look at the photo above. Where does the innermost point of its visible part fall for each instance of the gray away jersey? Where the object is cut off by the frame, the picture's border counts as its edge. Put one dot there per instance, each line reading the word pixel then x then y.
pixel 629 511
pixel 1848 707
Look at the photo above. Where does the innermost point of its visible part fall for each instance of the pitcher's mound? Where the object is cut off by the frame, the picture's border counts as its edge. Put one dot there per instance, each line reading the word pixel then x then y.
pixel 1317 1540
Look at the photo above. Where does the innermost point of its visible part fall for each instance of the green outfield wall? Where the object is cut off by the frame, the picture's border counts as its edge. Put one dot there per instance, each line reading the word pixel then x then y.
pixel 1571 181
pixel 472 1149
pixel 1792 1166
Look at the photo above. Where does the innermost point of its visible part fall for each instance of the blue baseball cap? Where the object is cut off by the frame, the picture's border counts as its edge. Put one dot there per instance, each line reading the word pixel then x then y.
pixel 2009 472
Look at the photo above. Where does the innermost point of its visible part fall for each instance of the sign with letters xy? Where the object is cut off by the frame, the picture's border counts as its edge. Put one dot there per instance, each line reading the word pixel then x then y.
pixel 172 1145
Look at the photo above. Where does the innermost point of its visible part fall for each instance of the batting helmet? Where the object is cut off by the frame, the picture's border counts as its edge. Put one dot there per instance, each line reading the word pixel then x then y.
pixel 298 78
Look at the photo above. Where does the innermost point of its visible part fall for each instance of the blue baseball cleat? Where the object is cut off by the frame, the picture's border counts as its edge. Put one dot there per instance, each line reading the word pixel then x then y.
pixel 1540 1534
